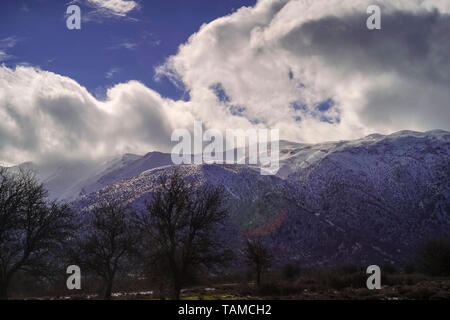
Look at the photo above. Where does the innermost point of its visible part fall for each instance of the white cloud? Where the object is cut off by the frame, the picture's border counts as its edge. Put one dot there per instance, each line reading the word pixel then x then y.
pixel 144 39
pixel 45 116
pixel 117 7
pixel 4 56
pixel 126 45
pixel 110 74
pixel 283 52
pixel 5 45
pixel 8 42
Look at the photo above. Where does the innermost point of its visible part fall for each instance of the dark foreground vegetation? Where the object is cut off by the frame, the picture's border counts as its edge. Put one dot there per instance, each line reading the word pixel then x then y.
pixel 169 251
pixel 325 284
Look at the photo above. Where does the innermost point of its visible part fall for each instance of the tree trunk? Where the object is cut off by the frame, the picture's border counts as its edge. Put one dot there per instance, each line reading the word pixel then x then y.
pixel 108 290
pixel 258 276
pixel 4 290
pixel 176 290
pixel 161 291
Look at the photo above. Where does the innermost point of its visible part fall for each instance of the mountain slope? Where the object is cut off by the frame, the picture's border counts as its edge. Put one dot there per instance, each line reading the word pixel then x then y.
pixel 366 201
pixel 67 180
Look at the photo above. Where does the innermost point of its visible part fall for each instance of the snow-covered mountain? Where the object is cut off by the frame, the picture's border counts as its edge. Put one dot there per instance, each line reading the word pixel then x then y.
pixel 67 180
pixel 371 200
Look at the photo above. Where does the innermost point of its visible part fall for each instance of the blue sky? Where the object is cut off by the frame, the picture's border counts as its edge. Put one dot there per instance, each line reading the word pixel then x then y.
pixel 106 50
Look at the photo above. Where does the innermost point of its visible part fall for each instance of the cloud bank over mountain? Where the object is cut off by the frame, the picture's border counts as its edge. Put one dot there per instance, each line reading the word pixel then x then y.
pixel 310 68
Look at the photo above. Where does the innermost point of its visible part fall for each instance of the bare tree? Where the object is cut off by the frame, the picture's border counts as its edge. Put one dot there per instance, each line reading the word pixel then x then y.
pixel 259 257
pixel 31 229
pixel 180 222
pixel 108 242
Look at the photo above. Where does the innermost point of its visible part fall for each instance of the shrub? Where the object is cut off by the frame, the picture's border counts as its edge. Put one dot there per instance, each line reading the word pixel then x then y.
pixel 409 268
pixel 269 289
pixel 434 258
pixel 420 294
pixel 290 271
pixel 279 289
pixel 388 269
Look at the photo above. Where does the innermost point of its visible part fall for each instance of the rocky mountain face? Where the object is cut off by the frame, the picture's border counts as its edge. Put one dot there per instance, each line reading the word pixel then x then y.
pixel 368 201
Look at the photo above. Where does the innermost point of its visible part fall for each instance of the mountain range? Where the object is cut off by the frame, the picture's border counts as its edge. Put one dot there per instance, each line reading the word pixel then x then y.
pixel 366 201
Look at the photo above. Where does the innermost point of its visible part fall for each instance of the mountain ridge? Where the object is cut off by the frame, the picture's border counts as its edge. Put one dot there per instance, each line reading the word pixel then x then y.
pixel 372 200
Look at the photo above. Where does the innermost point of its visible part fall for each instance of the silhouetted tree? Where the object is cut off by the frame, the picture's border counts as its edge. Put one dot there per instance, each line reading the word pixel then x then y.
pixel 180 221
pixel 259 257
pixel 108 242
pixel 31 229
pixel 434 257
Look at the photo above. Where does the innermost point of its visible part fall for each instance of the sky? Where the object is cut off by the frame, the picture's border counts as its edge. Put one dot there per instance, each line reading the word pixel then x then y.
pixel 109 48
pixel 138 70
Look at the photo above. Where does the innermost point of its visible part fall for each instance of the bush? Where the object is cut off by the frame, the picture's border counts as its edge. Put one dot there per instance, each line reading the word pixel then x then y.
pixel 409 268
pixel 269 289
pixel 354 280
pixel 434 258
pixel 341 278
pixel 421 294
pixel 350 269
pixel 290 271
pixel 402 279
pixel 279 289
pixel 388 269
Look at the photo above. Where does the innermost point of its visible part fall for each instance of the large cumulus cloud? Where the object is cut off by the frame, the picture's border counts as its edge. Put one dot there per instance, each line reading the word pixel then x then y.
pixel 45 117
pixel 282 59
pixel 310 68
